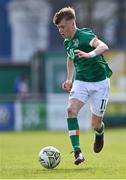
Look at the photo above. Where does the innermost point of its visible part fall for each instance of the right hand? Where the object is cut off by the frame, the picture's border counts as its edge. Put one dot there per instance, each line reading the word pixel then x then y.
pixel 67 85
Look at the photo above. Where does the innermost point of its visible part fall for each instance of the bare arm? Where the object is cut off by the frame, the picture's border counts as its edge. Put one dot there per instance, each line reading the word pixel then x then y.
pixel 100 47
pixel 70 70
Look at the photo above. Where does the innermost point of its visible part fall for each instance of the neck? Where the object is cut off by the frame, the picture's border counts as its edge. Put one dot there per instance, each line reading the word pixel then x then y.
pixel 73 32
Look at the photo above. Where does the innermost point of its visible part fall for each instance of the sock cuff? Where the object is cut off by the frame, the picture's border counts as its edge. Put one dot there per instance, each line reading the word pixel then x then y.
pixel 71 118
pixel 100 130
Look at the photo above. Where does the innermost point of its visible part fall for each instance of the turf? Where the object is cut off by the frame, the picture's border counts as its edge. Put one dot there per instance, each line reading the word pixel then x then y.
pixel 19 156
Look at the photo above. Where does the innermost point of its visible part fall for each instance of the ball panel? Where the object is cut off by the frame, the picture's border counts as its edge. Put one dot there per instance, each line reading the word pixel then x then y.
pixel 49 157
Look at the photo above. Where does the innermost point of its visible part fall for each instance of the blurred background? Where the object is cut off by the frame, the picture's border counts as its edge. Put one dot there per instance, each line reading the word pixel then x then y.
pixel 33 62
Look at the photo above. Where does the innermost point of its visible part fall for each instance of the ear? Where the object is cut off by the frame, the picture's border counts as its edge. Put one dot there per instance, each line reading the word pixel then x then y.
pixel 73 23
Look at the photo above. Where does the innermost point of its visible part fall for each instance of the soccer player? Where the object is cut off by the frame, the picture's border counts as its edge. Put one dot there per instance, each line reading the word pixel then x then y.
pixel 91 82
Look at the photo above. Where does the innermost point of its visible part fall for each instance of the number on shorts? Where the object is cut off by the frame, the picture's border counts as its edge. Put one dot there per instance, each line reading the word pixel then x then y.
pixel 103 104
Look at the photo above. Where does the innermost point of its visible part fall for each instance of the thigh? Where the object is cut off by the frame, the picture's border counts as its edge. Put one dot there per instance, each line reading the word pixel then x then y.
pixel 99 98
pixel 79 91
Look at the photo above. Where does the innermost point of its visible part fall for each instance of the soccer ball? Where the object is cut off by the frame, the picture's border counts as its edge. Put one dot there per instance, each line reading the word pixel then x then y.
pixel 49 157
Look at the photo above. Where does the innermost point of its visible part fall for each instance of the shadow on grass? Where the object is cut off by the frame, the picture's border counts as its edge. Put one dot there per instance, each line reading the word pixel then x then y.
pixel 66 170
pixel 46 173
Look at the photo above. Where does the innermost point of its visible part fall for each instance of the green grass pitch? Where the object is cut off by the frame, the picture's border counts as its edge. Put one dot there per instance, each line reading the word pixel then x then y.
pixel 19 156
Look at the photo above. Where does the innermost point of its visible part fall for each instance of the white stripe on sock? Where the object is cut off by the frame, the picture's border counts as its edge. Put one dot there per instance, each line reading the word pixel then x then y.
pixel 72 132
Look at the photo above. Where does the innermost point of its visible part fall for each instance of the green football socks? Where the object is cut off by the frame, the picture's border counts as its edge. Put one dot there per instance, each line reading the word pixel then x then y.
pixel 73 128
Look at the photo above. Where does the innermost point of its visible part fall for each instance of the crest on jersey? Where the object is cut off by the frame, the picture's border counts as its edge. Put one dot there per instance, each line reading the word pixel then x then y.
pixel 76 43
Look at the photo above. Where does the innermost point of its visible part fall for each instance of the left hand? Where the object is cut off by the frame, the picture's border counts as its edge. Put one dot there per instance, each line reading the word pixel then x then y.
pixel 81 54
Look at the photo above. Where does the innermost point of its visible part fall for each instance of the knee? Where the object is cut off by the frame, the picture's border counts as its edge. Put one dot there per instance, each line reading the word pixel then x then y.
pixel 72 112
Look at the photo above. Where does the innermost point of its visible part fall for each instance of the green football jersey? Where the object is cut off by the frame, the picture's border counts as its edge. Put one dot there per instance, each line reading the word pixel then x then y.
pixel 91 69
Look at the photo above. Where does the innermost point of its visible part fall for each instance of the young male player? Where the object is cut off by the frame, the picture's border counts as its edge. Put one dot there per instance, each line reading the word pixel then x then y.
pixel 91 82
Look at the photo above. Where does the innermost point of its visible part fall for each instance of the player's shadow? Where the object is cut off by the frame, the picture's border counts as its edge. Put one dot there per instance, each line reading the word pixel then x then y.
pixel 68 170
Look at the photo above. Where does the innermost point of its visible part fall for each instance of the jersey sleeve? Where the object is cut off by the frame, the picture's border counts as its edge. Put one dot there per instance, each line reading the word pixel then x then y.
pixel 87 37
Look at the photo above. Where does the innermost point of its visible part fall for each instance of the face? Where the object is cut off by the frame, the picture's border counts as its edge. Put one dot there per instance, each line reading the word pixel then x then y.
pixel 66 28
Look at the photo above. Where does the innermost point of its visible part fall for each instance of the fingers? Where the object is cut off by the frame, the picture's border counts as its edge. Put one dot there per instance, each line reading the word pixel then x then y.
pixel 66 86
pixel 77 51
pixel 81 54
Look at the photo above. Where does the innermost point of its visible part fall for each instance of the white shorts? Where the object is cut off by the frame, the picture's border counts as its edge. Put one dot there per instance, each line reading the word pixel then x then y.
pixel 97 93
